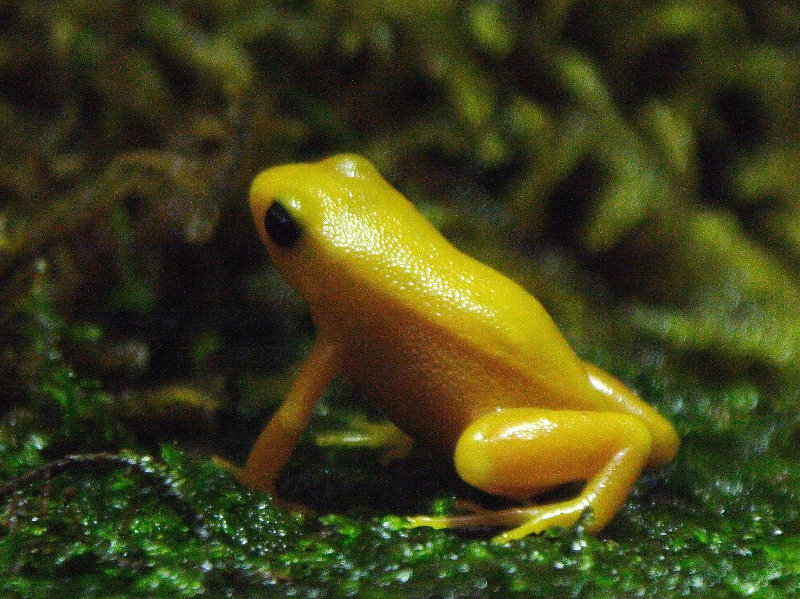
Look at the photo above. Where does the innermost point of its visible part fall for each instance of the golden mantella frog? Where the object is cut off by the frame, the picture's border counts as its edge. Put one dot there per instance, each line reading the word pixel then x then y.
pixel 458 356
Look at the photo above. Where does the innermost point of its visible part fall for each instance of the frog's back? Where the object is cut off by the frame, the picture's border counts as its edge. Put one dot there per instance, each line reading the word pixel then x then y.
pixel 391 249
pixel 432 321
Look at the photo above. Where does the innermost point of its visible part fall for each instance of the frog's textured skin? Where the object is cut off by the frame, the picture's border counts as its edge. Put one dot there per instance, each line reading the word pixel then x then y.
pixel 457 355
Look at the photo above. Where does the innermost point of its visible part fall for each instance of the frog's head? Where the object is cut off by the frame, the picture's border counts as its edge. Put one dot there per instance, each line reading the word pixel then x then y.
pixel 322 220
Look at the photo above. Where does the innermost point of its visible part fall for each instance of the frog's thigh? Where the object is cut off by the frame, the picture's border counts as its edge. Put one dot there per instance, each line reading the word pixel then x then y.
pixel 520 452
pixel 622 399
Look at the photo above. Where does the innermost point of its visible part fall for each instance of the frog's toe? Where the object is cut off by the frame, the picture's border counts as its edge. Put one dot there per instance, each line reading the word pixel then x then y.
pixel 437 522
pixel 534 526
pixel 227 465
pixel 478 519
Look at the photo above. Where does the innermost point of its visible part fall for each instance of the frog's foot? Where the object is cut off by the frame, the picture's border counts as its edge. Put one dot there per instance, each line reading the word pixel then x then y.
pixel 297 508
pixel 522 520
pixel 537 519
pixel 241 475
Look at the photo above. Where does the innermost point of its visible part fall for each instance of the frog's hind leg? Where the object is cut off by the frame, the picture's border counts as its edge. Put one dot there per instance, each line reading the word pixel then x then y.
pixel 521 452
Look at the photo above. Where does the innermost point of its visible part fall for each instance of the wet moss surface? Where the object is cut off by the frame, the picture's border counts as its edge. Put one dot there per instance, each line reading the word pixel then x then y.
pixel 635 165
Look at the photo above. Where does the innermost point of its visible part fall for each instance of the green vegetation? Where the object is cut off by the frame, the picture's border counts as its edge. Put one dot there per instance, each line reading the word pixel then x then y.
pixel 634 164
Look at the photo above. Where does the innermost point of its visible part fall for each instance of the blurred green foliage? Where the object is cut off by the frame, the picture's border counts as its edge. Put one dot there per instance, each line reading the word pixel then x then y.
pixel 635 164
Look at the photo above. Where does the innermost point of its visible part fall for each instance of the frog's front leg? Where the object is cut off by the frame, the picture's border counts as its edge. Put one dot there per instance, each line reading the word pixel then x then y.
pixel 278 439
pixel 522 452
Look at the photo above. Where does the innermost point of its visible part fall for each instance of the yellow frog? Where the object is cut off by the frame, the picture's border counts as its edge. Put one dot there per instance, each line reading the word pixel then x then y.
pixel 458 356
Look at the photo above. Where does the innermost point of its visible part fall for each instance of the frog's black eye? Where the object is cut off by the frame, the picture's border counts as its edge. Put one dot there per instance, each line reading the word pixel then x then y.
pixel 281 227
